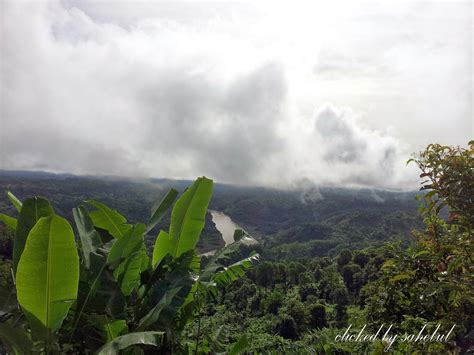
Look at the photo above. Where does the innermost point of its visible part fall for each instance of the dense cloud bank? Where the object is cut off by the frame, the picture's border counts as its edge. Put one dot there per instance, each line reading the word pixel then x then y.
pixel 180 97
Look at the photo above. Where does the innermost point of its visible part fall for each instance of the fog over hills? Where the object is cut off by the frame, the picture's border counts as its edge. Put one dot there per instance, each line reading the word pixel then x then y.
pixel 328 218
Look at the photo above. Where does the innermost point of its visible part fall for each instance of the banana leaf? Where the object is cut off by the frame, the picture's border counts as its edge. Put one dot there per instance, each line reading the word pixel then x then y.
pixel 47 278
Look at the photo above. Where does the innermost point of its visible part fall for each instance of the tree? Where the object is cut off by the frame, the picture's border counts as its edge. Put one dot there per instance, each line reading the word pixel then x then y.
pixel 317 316
pixel 298 311
pixel 345 256
pixel 348 271
pixel 294 272
pixel 361 258
pixel 341 298
pixel 434 278
pixel 449 175
pixel 286 327
pixel 309 289
pixel 264 274
pixel 273 302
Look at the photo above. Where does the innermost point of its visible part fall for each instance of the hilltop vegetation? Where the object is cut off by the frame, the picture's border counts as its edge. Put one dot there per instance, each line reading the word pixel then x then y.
pixel 297 225
pixel 131 198
pixel 305 293
pixel 344 257
pixel 100 290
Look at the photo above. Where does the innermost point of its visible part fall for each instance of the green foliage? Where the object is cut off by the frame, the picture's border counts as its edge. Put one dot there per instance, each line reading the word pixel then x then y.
pixel 345 256
pixel 6 280
pixel 361 258
pixel 291 227
pixel 188 217
pixel 242 344
pixel 89 237
pixel 113 293
pixel 159 209
pixel 449 175
pixel 327 264
pixel 9 221
pixel 163 245
pixel 130 252
pixel 351 274
pixel 15 338
pixel 31 211
pixel 15 201
pixel 433 279
pixel 429 283
pixel 109 329
pixel 108 219
pixel 187 222
pixel 286 327
pixel 273 302
pixel 124 341
pixel 317 316
pixel 48 275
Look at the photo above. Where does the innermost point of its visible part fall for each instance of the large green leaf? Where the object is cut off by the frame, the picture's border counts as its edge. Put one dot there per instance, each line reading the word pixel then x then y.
pixel 238 235
pixel 154 314
pixel 137 338
pixel 16 202
pixel 187 222
pixel 159 209
pixel 188 216
pixel 110 328
pixel 90 239
pixel 98 292
pixel 222 257
pixel 130 243
pixel 108 219
pixel 130 251
pixel 163 246
pixel 48 275
pixel 32 210
pixel 101 293
pixel 235 271
pixel 170 292
pixel 115 328
pixel 9 221
pixel 216 275
pixel 128 272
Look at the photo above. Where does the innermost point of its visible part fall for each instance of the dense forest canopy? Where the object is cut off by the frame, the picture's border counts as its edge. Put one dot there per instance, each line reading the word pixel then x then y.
pixel 343 259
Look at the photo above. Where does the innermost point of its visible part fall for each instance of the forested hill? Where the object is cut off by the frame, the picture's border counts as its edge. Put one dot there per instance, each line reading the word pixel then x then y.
pixel 298 223
pixel 357 217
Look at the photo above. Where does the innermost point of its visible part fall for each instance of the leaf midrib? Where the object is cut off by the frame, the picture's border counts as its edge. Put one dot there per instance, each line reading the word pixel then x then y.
pixel 48 280
pixel 113 223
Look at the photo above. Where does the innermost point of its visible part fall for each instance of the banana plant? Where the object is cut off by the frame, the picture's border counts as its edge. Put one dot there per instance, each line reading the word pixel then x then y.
pixel 46 267
pixel 107 294
pixel 218 273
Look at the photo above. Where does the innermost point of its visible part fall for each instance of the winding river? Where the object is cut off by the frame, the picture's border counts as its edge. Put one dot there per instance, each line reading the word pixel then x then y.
pixel 225 225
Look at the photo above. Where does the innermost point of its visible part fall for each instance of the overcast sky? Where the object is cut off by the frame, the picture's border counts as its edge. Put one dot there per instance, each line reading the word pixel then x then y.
pixel 325 92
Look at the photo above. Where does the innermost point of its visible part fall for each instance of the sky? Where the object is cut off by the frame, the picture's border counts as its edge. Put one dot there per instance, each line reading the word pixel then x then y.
pixel 278 94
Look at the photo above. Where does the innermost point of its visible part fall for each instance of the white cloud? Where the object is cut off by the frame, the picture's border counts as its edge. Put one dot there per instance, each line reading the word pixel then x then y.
pixel 230 91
